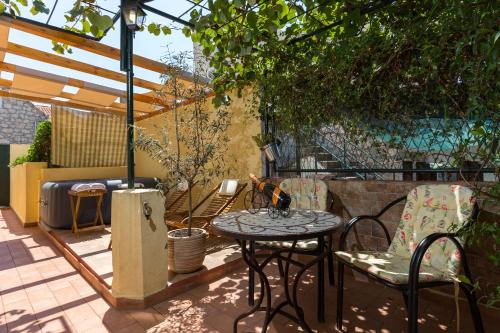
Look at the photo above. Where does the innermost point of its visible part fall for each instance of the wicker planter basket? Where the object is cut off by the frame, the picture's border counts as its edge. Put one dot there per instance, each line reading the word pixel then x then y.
pixel 186 254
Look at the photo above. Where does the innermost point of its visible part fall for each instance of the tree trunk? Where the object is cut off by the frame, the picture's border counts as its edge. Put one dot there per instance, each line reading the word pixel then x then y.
pixel 190 209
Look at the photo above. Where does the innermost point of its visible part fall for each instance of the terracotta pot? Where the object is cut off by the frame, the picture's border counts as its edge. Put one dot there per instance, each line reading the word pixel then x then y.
pixel 186 254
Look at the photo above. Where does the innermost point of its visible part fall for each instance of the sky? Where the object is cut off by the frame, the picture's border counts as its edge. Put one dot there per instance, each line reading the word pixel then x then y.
pixel 145 44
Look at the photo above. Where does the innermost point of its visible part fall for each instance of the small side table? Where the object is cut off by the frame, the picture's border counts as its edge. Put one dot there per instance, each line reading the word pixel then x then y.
pixel 74 199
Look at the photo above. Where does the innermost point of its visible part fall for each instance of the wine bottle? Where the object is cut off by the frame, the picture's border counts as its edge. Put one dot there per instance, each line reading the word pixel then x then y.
pixel 273 193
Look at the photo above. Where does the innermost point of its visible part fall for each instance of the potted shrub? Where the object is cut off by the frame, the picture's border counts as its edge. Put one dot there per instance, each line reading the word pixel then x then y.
pixel 266 143
pixel 25 173
pixel 39 150
pixel 191 149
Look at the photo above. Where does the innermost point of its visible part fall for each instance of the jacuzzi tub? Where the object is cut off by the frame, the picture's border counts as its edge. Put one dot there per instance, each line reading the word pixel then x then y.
pixel 55 210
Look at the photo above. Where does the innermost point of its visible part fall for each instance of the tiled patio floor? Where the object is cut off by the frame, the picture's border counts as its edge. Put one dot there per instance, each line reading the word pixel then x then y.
pixel 92 247
pixel 41 292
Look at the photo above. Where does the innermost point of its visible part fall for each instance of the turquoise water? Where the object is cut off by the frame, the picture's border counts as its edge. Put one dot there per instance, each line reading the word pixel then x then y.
pixel 433 134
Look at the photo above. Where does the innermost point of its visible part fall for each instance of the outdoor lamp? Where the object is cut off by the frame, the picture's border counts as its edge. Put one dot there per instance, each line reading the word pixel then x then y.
pixel 133 15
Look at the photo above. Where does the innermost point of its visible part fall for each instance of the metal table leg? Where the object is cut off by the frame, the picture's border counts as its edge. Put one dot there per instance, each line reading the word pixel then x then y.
pixel 265 289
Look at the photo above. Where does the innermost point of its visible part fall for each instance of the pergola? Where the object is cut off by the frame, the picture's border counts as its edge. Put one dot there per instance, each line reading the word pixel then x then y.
pixel 39 86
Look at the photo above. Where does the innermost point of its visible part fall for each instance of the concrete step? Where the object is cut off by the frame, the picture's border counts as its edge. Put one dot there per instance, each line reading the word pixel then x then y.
pixel 323 157
pixel 331 164
pixel 311 150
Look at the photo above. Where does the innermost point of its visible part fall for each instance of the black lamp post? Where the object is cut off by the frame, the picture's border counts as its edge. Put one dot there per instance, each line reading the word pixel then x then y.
pixel 133 18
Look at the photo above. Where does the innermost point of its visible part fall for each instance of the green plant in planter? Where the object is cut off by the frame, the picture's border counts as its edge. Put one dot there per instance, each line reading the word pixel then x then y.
pixel 262 140
pixel 39 150
pixel 191 149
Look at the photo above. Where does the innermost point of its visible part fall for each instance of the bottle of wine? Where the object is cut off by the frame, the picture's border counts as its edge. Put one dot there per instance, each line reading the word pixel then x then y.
pixel 273 193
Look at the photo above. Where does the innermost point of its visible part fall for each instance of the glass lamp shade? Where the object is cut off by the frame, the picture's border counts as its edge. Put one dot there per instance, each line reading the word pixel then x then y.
pixel 133 15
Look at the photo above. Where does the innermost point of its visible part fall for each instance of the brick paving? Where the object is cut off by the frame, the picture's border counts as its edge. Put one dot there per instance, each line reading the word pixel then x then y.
pixel 41 292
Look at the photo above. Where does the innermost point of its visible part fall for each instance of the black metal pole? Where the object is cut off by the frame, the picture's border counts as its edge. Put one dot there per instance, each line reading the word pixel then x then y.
pixel 266 133
pixel 130 109
pixel 127 65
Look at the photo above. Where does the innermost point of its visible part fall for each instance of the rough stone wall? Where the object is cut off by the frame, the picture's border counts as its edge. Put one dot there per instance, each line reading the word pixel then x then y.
pixel 18 121
pixel 357 197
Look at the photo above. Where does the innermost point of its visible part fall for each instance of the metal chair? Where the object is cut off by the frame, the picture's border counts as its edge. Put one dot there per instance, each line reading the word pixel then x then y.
pixel 306 193
pixel 422 254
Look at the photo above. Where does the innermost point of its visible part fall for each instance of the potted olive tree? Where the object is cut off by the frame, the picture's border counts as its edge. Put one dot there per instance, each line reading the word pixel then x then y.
pixel 190 146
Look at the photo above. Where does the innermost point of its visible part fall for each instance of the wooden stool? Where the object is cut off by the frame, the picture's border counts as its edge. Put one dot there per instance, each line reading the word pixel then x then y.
pixel 98 223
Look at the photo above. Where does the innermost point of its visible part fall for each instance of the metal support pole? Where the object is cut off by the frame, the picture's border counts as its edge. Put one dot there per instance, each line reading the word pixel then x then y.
pixel 298 158
pixel 126 64
pixel 266 132
pixel 130 110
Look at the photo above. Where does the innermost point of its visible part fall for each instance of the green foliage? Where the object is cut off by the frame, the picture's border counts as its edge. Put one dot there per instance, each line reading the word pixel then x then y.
pixel 262 139
pixel 376 68
pixel 84 17
pixel 12 6
pixel 192 147
pixel 409 57
pixel 156 29
pixel 39 150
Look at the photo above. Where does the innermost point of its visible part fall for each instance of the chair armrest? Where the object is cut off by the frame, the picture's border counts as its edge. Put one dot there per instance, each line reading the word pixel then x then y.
pixel 423 246
pixel 374 218
pixel 389 206
pixel 353 221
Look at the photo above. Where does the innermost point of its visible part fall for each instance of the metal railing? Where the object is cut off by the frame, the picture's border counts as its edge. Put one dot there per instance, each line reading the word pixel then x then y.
pixel 425 149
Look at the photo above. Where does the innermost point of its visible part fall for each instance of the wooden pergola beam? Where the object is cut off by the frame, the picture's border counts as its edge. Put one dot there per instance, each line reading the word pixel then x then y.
pixel 169 108
pixel 85 44
pixel 5 83
pixel 57 60
pixel 74 82
pixel 61 103
pixel 4 38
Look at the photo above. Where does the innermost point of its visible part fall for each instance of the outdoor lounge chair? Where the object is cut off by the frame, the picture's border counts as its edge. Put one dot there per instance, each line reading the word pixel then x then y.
pixel 175 200
pixel 218 203
pixel 306 194
pixel 423 253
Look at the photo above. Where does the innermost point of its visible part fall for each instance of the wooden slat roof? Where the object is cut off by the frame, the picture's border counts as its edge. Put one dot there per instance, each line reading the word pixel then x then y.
pixel 40 86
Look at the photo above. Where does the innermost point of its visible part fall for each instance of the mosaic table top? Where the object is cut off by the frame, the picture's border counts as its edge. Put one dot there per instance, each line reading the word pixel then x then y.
pixel 260 226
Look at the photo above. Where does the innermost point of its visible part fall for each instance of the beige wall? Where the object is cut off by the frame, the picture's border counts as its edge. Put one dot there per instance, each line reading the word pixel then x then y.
pixel 243 155
pixel 55 174
pixel 26 180
pixel 17 150
pixel 25 190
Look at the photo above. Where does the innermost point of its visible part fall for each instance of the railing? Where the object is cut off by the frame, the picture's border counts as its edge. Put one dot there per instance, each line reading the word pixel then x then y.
pixel 343 150
pixel 425 149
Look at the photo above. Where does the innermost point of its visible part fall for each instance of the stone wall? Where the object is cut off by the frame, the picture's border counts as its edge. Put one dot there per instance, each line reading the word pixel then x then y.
pixel 18 121
pixel 357 197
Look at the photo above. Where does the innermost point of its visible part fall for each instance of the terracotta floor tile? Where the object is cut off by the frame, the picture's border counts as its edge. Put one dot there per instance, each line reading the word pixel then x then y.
pixel 55 323
pixel 146 318
pixel 176 305
pixel 66 295
pixel 41 291
pixel 132 328
pixel 115 319
pixel 14 296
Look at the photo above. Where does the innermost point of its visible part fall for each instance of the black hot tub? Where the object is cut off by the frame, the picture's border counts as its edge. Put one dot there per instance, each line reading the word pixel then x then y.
pixel 55 210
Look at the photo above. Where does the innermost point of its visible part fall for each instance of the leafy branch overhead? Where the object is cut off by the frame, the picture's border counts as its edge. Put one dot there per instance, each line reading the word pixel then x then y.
pixel 84 17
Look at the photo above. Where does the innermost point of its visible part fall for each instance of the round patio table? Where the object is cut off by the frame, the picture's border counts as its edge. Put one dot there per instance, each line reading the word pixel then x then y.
pixel 248 228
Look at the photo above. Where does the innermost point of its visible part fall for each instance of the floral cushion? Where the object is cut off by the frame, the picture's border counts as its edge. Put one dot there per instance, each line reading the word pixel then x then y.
pixel 391 267
pixel 429 209
pixel 306 193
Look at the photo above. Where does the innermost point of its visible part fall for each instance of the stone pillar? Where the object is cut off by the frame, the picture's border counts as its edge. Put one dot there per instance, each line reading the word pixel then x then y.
pixel 140 266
